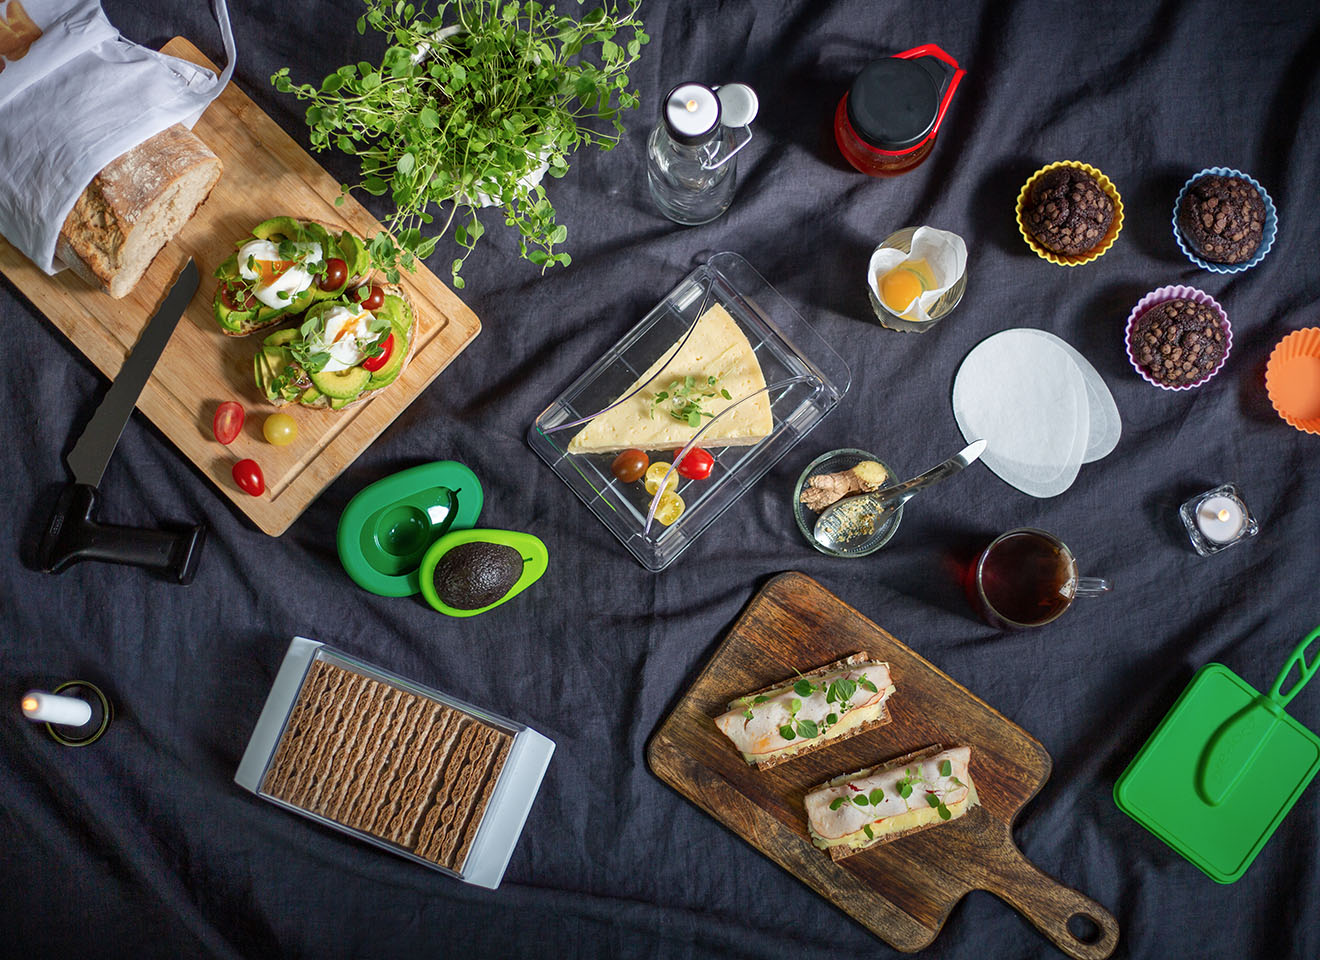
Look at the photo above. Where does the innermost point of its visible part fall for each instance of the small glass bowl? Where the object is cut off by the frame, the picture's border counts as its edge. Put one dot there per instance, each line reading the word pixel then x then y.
pixel 902 240
pixel 837 461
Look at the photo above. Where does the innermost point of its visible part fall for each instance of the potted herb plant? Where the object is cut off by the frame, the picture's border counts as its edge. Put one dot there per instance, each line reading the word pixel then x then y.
pixel 470 107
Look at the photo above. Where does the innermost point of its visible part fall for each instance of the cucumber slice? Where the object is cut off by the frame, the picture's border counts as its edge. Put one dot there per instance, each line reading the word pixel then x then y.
pixel 342 384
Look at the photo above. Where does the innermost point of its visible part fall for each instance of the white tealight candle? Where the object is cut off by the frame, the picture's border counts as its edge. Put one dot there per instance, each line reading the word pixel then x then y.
pixel 1220 518
pixel 49 708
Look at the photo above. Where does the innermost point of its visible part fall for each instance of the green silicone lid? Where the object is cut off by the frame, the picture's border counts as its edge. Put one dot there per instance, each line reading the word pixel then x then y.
pixel 1165 787
pixel 386 529
pixel 535 560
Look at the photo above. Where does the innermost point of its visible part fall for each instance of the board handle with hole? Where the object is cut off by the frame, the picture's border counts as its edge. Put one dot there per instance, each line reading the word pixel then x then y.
pixel 1072 921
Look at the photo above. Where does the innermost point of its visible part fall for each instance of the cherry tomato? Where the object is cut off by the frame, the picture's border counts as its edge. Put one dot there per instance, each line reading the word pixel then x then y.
pixel 696 465
pixel 373 364
pixel 372 298
pixel 630 465
pixel 336 272
pixel 280 429
pixel 228 421
pixel 669 509
pixel 247 474
pixel 657 472
pixel 237 298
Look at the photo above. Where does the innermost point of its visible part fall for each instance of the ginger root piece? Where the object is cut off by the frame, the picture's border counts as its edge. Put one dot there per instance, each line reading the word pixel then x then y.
pixel 828 488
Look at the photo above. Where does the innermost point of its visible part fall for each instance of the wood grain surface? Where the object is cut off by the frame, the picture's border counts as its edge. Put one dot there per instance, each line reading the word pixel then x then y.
pixel 902 891
pixel 266 174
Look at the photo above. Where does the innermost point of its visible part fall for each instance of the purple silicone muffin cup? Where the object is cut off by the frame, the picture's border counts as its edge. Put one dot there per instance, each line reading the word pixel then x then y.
pixel 1268 232
pixel 1175 293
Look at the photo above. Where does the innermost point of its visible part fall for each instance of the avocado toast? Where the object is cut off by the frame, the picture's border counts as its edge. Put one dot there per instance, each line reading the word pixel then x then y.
pixel 341 353
pixel 283 268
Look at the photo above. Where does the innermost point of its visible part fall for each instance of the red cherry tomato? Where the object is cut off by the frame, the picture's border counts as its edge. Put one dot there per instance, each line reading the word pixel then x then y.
pixel 336 272
pixel 237 298
pixel 375 363
pixel 228 421
pixel 247 474
pixel 372 298
pixel 696 465
pixel 630 465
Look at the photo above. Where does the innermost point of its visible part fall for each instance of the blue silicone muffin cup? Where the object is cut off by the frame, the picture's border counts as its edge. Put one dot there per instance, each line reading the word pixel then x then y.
pixel 1267 234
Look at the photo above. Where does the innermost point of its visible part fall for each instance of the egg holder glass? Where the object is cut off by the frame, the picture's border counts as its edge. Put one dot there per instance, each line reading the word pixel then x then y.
pixel 806 379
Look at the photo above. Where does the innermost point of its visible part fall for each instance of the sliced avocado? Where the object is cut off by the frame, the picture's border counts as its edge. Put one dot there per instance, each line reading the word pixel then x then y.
pixel 309 396
pixel 235 320
pixel 228 269
pixel 287 227
pixel 342 384
pixel 355 254
pixel 394 365
pixel 339 403
pixel 281 337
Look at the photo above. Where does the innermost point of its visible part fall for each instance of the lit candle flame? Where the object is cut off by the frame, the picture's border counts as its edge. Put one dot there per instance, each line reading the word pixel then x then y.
pixel 29 704
pixel 691 106
pixel 1223 516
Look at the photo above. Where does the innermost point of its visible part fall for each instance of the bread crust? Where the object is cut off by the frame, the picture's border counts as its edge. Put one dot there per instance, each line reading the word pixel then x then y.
pixel 136 205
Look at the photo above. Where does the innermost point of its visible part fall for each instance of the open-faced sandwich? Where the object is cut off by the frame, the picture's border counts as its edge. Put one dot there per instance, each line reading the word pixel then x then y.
pixel 879 804
pixel 832 703
pixel 284 267
pixel 342 352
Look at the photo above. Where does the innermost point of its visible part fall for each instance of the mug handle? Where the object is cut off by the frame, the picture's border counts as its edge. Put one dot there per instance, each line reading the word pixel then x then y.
pixel 933 50
pixel 1092 586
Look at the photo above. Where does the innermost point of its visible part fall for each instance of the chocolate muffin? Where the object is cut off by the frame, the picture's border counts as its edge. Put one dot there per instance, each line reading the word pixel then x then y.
pixel 1222 218
pixel 1067 211
pixel 1178 342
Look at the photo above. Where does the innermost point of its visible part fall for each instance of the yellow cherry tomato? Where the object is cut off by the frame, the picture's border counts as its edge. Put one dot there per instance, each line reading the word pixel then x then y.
pixel 669 508
pixel 280 429
pixel 655 473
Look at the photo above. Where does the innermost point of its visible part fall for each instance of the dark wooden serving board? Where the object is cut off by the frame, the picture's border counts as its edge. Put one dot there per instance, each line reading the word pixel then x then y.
pixel 901 891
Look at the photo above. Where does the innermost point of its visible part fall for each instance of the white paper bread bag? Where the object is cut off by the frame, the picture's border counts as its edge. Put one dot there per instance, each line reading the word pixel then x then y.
pixel 74 96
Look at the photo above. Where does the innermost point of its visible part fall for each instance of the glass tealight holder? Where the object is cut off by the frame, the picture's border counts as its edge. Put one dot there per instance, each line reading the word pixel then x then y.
pixel 1217 519
pixel 941 308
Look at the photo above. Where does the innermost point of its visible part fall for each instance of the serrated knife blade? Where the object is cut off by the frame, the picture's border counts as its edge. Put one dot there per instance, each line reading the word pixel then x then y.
pixel 90 454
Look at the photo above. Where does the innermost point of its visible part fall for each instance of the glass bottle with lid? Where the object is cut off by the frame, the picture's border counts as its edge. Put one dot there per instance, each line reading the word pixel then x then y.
pixel 886 123
pixel 690 163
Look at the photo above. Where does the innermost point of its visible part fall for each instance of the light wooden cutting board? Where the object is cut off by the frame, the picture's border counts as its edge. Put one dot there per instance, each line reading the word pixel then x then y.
pixel 266 174
pixel 901 891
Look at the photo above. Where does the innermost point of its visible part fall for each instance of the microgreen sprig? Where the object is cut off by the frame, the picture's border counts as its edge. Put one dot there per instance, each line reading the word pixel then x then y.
pixel 685 398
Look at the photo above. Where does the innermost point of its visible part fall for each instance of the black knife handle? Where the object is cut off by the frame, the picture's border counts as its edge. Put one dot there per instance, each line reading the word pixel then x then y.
pixel 73 535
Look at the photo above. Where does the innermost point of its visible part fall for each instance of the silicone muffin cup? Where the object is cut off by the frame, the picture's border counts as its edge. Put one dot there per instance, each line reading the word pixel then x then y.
pixel 1271 227
pixel 1292 379
pixel 1174 293
pixel 1106 241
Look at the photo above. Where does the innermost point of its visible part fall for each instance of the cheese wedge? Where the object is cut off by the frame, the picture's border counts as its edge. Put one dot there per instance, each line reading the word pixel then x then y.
pixel 829 704
pixel 859 810
pixel 718 348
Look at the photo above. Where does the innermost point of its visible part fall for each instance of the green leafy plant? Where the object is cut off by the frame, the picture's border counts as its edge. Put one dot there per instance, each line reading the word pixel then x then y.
pixel 468 104
pixel 685 398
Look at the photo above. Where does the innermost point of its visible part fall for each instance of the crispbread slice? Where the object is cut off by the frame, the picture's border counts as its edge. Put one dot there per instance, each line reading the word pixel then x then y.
pixel 829 737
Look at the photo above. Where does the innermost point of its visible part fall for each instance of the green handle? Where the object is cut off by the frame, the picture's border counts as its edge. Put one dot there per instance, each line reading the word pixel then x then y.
pixel 1308 670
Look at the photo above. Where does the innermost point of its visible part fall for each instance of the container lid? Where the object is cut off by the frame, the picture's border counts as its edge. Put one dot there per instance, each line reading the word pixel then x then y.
pixel 692 113
pixel 894 102
pixel 1159 788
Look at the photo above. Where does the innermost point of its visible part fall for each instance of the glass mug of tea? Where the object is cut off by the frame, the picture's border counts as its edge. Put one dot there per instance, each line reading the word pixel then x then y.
pixel 1028 578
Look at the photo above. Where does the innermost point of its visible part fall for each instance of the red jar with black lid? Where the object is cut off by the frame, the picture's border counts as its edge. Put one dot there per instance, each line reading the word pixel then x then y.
pixel 886 123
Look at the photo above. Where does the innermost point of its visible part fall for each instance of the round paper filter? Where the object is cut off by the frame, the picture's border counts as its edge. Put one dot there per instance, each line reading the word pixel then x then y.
pixel 1106 424
pixel 1024 396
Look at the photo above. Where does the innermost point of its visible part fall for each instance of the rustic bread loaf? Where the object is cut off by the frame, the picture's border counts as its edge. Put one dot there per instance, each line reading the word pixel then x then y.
pixel 135 206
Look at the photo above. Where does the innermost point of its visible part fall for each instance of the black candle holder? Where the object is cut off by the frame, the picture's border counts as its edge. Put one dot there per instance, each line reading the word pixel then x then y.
pixel 91 731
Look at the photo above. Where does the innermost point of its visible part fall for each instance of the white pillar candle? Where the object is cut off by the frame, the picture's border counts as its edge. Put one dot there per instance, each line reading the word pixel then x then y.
pixel 49 708
pixel 1220 518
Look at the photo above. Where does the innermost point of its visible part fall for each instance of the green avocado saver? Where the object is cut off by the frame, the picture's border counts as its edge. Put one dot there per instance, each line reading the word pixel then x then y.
pixel 530 549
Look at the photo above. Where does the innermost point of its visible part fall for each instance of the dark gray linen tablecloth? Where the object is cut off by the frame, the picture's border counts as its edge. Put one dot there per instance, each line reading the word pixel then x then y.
pixel 143 846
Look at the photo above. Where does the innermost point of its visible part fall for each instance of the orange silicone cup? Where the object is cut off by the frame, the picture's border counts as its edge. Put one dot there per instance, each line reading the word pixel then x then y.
pixel 1292 379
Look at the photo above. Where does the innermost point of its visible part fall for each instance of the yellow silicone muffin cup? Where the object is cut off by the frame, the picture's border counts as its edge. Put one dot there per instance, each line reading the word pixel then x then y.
pixel 1106 241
